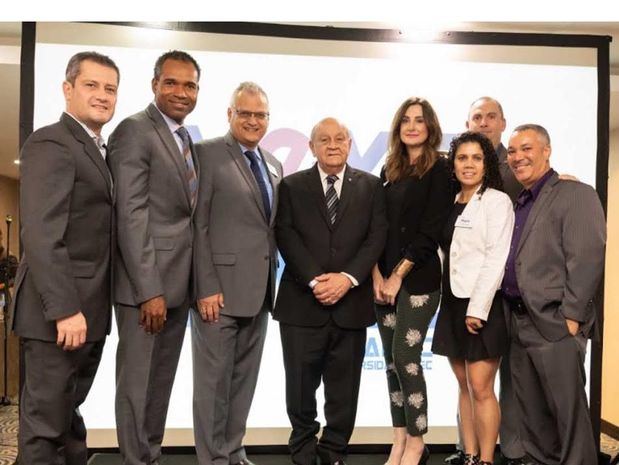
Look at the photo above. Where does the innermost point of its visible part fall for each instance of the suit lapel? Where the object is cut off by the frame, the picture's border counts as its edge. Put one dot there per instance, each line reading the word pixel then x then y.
pixel 314 185
pixel 234 150
pixel 538 207
pixel 273 181
pixel 349 185
pixel 90 148
pixel 169 143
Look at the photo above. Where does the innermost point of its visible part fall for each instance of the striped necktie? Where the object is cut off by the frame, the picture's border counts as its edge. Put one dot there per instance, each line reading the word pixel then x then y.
pixel 190 174
pixel 332 198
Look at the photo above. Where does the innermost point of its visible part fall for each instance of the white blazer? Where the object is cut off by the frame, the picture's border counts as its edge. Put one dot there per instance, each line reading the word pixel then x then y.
pixel 479 249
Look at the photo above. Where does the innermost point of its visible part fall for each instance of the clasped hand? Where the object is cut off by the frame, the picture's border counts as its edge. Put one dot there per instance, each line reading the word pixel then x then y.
pixel 331 287
pixel 386 290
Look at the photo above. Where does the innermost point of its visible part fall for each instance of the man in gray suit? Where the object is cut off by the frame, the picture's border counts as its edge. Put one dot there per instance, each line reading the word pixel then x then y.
pixel 236 258
pixel 62 303
pixel 551 277
pixel 156 174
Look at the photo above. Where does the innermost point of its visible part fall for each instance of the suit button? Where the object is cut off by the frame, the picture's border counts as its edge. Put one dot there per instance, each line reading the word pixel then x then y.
pixel 266 257
pixel 403 228
pixel 333 251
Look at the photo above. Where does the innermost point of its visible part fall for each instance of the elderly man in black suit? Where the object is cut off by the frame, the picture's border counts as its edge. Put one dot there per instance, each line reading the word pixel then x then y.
pixel 62 300
pixel 330 229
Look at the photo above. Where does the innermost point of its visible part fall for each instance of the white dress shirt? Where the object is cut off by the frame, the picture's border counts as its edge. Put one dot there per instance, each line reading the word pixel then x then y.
pixel 337 185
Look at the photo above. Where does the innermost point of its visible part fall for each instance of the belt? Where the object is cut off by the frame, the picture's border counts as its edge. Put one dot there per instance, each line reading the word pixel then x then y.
pixel 517 305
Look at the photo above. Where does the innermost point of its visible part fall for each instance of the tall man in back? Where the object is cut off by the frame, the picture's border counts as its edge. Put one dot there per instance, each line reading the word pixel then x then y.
pixel 331 230
pixel 62 303
pixel 156 176
pixel 236 258
pixel 552 274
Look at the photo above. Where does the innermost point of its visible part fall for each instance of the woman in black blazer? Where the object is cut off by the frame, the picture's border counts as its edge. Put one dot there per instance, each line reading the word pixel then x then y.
pixel 407 279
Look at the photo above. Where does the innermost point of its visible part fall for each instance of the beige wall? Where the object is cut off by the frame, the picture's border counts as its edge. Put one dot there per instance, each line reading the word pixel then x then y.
pixel 9 205
pixel 610 368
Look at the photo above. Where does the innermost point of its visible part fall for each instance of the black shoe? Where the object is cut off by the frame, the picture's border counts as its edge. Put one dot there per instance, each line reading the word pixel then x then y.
pixel 425 456
pixel 470 459
pixel 245 461
pixel 457 458
pixel 519 461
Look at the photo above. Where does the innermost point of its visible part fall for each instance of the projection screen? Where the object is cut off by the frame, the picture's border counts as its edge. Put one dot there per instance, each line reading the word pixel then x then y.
pixel 361 82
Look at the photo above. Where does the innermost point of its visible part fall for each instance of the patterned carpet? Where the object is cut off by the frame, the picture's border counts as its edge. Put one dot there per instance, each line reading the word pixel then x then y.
pixel 9 426
pixel 8 434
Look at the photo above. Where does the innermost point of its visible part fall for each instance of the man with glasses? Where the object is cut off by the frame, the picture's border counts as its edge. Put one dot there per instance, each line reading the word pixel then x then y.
pixel 236 258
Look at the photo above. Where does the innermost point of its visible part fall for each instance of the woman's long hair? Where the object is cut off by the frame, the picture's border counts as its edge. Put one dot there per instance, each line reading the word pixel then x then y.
pixel 397 166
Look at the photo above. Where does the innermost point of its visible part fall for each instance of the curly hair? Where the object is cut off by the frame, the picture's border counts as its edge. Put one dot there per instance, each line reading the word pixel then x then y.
pixel 397 166
pixel 492 175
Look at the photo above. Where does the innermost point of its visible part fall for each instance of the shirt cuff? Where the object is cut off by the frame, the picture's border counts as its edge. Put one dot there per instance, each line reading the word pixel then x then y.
pixel 354 282
pixel 312 283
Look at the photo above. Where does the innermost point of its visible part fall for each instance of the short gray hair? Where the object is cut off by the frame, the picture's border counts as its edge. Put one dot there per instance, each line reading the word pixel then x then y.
pixel 249 87
pixel 75 63
pixel 539 130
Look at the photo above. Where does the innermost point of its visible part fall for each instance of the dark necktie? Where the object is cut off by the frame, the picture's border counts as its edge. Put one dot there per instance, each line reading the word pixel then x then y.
pixel 190 173
pixel 523 198
pixel 254 165
pixel 332 198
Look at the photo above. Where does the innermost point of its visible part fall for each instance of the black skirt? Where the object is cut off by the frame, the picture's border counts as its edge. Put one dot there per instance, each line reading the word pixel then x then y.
pixel 451 338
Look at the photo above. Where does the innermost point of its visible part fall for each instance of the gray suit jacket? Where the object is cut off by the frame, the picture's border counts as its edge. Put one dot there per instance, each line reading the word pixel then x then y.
pixel 235 249
pixel 154 211
pixel 66 207
pixel 560 257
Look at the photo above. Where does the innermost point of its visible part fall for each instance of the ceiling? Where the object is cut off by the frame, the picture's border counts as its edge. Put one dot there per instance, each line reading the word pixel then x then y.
pixel 10 36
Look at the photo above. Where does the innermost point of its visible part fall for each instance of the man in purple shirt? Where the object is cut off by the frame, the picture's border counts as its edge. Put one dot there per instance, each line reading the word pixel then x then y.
pixel 551 277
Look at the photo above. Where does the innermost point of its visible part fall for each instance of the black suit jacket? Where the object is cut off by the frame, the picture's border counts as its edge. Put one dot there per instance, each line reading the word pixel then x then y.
pixel 311 246
pixel 66 207
pixel 416 222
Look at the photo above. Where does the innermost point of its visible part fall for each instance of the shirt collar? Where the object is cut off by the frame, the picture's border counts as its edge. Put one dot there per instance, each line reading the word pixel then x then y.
pixel 172 125
pixel 530 195
pixel 246 149
pixel 323 175
pixel 537 187
pixel 89 131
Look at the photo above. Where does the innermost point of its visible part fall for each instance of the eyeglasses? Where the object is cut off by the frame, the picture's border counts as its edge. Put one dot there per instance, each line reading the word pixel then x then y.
pixel 259 115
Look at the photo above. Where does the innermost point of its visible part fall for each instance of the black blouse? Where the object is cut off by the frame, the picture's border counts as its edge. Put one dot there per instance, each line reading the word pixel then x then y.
pixel 417 209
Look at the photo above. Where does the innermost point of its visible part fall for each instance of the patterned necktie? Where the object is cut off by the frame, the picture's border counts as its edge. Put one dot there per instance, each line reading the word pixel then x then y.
pixel 190 173
pixel 332 198
pixel 101 146
pixel 254 165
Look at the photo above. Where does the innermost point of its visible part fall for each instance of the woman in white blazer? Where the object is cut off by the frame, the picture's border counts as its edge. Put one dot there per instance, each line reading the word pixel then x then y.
pixel 471 328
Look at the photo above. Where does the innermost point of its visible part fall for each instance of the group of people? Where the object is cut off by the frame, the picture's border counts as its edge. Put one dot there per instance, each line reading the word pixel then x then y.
pixel 166 231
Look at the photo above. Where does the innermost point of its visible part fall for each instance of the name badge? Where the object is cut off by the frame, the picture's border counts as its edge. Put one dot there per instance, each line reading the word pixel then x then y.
pixel 272 169
pixel 464 222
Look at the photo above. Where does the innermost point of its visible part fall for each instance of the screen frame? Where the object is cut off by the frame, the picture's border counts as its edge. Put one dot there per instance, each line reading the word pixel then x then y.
pixel 600 43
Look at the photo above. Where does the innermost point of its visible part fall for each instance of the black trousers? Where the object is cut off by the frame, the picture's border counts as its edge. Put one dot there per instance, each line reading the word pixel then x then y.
pixel 333 355
pixel 51 429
